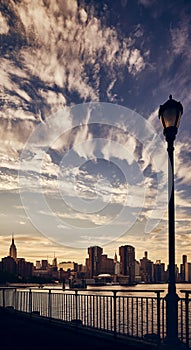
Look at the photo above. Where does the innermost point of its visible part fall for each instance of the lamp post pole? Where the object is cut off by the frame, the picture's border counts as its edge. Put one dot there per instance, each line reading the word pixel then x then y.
pixel 171 297
pixel 170 113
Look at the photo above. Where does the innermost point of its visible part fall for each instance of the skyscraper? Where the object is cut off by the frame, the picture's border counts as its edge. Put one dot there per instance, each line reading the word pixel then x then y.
pixel 146 269
pixel 127 262
pixel 159 271
pixel 94 261
pixel 116 265
pixel 13 249
pixel 183 268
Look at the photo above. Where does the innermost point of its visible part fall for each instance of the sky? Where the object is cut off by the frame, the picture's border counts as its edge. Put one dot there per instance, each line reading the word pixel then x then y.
pixel 83 158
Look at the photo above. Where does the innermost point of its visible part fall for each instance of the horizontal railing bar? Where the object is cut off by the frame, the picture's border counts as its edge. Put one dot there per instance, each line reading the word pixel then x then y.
pixel 91 290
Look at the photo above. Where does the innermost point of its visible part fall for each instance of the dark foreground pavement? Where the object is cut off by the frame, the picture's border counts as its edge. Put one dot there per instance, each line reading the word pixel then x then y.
pixel 18 331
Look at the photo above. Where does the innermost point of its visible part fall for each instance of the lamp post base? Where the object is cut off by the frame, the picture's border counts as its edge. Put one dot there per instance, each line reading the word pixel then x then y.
pixel 172 340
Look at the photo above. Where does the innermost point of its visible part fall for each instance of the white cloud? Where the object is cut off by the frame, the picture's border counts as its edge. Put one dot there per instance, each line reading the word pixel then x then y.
pixel 4 28
pixel 83 15
pixel 95 218
pixel 136 62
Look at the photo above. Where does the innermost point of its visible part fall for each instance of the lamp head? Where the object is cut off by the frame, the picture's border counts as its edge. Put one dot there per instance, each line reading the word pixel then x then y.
pixel 169 114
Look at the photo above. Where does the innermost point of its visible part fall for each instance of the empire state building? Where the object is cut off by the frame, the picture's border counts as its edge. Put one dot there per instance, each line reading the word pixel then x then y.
pixel 13 250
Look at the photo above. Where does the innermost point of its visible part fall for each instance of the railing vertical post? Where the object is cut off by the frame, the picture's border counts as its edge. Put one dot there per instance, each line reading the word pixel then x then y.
pixel 30 301
pixel 158 315
pixel 3 297
pixel 15 298
pixel 187 317
pixel 76 302
pixel 49 304
pixel 115 312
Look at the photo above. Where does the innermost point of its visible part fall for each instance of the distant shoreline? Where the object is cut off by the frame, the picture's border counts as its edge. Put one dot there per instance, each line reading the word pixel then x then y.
pixel 41 285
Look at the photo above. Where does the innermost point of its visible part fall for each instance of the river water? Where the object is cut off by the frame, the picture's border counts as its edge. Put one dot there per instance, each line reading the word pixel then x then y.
pixel 144 288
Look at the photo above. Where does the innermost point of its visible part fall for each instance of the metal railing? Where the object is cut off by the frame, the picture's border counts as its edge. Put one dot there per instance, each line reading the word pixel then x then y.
pixel 119 312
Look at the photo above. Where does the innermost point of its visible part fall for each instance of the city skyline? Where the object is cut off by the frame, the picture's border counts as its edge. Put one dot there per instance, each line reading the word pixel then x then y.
pixel 13 252
pixel 83 159
pixel 98 268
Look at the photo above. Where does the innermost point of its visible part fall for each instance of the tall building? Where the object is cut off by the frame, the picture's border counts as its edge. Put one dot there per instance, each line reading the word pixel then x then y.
pixel 13 250
pixel 127 262
pixel 94 261
pixel 159 272
pixel 9 265
pixel 54 263
pixel 137 272
pixel 116 265
pixel 44 264
pixel 38 264
pixel 183 268
pixel 146 269
pixel 187 271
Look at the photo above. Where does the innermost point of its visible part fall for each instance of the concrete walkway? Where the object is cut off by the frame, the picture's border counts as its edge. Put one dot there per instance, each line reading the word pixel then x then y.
pixel 18 331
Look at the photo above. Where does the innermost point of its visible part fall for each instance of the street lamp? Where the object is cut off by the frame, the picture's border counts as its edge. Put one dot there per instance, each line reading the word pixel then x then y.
pixel 169 114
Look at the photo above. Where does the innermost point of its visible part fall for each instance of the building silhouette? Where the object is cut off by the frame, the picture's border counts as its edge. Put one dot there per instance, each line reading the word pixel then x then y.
pixel 107 265
pixel 13 250
pixel 9 265
pixel 98 263
pixel 54 263
pixel 146 269
pixel 24 268
pixel 44 264
pixel 127 262
pixel 137 272
pixel 93 263
pixel 116 265
pixel 159 272
pixel 15 266
pixel 183 268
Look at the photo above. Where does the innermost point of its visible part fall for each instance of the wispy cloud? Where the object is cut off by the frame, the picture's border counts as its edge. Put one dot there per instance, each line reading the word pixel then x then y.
pixel 64 46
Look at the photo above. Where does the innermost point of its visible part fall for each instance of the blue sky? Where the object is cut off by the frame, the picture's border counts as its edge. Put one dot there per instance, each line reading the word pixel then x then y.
pixel 82 156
